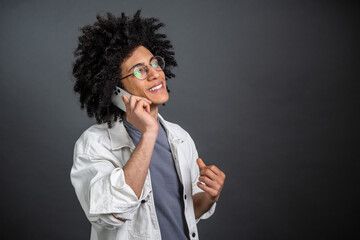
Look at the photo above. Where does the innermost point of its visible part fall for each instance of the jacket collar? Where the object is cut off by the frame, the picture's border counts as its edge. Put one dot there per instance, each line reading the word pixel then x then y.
pixel 172 135
pixel 119 138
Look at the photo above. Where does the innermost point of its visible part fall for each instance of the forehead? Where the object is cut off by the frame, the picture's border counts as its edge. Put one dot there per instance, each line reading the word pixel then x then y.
pixel 139 55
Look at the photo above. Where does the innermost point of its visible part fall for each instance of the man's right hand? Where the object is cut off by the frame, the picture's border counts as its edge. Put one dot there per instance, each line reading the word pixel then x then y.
pixel 138 114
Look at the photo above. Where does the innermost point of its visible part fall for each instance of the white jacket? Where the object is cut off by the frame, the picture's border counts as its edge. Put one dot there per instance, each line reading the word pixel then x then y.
pixel 109 203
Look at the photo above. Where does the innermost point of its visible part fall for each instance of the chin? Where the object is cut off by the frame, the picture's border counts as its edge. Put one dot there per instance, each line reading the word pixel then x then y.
pixel 160 101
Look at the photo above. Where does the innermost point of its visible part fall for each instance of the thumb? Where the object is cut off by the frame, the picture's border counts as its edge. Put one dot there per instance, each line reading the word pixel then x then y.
pixel 125 99
pixel 200 163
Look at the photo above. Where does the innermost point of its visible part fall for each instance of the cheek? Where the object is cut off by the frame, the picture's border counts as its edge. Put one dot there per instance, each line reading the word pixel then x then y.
pixel 132 87
pixel 125 84
pixel 163 74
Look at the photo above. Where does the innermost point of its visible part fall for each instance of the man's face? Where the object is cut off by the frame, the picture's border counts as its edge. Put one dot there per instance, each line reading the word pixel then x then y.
pixel 144 88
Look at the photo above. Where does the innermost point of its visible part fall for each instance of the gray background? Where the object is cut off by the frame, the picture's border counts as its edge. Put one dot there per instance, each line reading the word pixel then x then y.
pixel 269 90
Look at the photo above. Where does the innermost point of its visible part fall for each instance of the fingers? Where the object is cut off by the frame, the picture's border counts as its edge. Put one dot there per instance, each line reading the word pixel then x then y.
pixel 212 192
pixel 211 179
pixel 215 169
pixel 208 182
pixel 211 172
pixel 139 98
pixel 125 99
pixel 142 105
pixel 207 172
pixel 135 98
pixel 200 163
pixel 132 103
pixel 208 176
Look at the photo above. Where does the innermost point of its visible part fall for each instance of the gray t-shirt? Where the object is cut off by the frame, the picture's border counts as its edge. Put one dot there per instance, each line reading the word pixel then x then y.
pixel 166 186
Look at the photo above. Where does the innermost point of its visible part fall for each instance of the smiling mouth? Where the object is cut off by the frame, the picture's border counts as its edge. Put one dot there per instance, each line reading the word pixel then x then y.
pixel 156 87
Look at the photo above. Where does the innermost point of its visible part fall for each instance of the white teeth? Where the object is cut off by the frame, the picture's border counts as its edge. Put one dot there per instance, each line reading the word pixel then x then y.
pixel 155 88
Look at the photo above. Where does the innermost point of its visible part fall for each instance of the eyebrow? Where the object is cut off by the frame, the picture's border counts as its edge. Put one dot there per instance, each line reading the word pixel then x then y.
pixel 138 64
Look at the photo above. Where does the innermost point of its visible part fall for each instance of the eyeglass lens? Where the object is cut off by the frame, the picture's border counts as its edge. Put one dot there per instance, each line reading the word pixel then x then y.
pixel 156 62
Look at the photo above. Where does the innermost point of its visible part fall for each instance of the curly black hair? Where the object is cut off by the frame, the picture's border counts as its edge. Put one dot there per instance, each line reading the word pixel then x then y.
pixel 102 48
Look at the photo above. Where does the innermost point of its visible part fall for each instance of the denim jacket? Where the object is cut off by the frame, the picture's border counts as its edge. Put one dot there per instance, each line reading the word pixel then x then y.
pixel 111 206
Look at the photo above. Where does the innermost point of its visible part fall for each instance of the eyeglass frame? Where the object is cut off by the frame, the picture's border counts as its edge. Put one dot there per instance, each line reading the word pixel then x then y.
pixel 146 68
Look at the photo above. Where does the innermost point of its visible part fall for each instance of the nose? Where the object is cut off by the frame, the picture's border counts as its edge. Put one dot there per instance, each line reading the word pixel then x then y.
pixel 152 74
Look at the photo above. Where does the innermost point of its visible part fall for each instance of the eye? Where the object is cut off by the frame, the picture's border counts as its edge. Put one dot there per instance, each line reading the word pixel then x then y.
pixel 137 72
pixel 140 72
pixel 155 64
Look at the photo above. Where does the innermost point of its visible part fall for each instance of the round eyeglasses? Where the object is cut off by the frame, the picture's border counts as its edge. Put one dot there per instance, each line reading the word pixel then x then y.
pixel 140 70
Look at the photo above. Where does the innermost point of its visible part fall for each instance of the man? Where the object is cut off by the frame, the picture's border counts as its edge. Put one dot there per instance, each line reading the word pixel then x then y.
pixel 136 175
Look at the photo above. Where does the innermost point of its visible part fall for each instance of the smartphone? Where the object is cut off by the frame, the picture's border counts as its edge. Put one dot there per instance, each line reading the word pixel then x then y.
pixel 117 100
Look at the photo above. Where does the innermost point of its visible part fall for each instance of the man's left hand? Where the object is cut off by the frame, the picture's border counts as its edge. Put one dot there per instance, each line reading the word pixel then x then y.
pixel 211 180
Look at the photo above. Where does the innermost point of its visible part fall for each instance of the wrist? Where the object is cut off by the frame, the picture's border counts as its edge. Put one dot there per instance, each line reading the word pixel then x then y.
pixel 211 199
pixel 150 134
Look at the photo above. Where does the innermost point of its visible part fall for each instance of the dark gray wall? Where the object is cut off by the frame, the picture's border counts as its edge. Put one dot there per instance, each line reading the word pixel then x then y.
pixel 269 90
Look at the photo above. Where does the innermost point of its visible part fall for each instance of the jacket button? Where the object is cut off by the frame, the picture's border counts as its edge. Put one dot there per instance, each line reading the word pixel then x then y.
pixel 193 234
pixel 143 201
pixel 185 197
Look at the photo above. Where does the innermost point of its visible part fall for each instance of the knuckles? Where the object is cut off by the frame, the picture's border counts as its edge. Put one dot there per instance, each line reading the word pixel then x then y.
pixel 212 168
pixel 205 171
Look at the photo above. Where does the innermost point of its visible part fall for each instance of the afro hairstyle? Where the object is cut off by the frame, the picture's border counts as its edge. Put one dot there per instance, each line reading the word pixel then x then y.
pixel 102 48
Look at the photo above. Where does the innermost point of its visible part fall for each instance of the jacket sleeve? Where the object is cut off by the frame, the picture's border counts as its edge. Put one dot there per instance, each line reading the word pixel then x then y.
pixel 100 186
pixel 195 173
